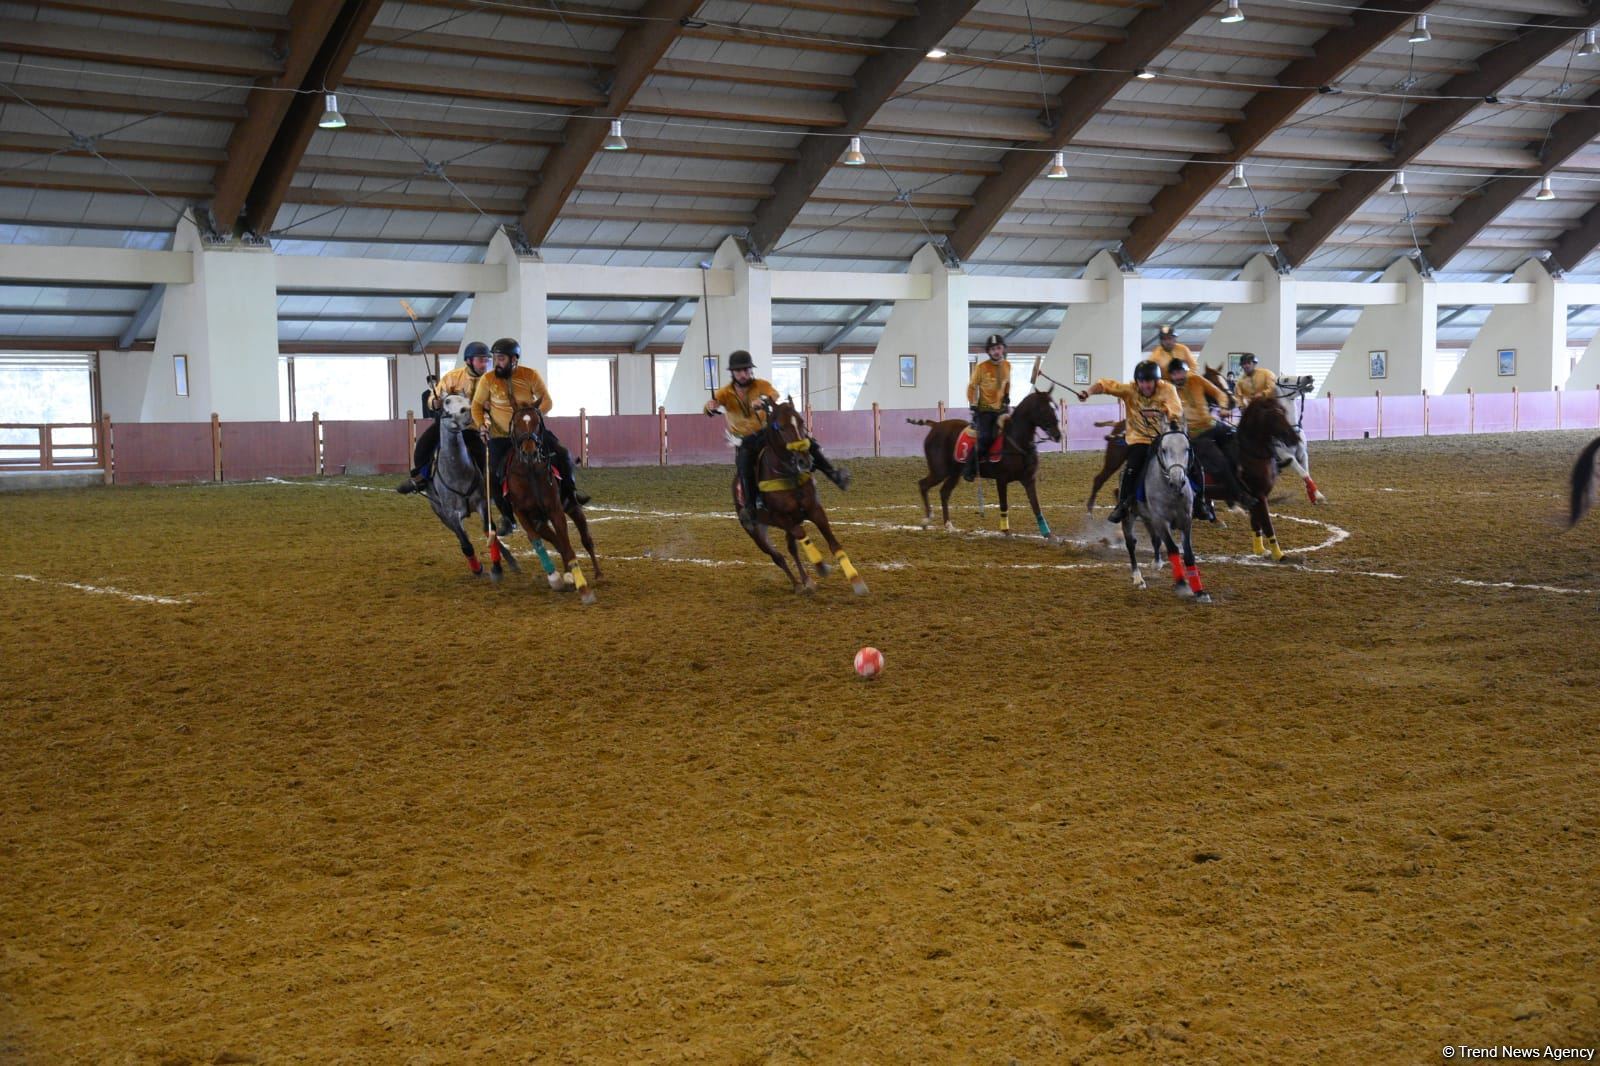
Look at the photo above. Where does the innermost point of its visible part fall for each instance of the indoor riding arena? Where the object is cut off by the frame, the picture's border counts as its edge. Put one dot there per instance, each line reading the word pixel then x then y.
pixel 503 559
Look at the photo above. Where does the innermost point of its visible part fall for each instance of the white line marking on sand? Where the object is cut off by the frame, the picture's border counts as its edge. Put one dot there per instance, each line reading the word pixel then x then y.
pixel 104 590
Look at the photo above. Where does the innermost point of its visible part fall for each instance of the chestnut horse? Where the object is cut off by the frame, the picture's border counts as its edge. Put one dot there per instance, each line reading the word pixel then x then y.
pixel 1019 458
pixel 1264 427
pixel 788 490
pixel 533 488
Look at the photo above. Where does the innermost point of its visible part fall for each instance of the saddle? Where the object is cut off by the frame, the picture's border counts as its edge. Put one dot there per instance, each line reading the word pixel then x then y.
pixel 968 440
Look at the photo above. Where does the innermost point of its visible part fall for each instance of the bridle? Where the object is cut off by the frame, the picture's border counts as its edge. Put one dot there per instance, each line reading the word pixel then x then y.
pixel 1161 455
pixel 787 453
pixel 1025 446
pixel 438 470
pixel 520 439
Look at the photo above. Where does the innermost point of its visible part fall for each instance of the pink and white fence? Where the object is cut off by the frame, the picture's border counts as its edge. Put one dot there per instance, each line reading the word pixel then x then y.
pixel 153 452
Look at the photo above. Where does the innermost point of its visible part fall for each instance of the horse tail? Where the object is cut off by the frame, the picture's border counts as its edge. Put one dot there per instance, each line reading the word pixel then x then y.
pixel 1583 483
pixel 921 422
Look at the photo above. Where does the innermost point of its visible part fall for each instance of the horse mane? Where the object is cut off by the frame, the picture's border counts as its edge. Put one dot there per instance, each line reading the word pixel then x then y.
pixel 1264 418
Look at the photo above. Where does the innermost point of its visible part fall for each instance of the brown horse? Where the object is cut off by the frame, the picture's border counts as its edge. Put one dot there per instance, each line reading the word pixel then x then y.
pixel 1263 426
pixel 1583 483
pixel 1019 458
pixel 533 489
pixel 789 492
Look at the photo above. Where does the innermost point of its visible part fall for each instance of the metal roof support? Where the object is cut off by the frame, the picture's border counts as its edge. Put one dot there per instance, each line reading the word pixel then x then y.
pixel 141 317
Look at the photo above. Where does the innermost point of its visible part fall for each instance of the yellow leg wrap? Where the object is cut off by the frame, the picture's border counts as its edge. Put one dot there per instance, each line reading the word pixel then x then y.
pixel 1005 521
pixel 577 578
pixel 845 565
pixel 1257 545
pixel 813 556
pixel 1277 552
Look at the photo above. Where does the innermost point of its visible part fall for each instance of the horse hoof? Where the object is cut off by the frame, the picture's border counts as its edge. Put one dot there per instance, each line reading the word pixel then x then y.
pixel 495 575
pixel 859 587
pixel 949 527
pixel 588 598
pixel 554 579
pixel 1204 597
pixel 1180 589
pixel 568 581
pixel 808 589
pixel 1138 582
pixel 824 569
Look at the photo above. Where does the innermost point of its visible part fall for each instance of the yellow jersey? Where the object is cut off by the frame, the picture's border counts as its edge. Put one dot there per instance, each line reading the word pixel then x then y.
pixel 744 412
pixel 1259 382
pixel 499 398
pixel 1147 415
pixel 990 386
pixel 1195 392
pixel 457 382
pixel 1163 358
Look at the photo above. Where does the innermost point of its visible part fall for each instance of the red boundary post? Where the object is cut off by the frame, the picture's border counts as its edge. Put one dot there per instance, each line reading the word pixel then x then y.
pixel 411 428
pixel 941 411
pixel 1424 412
pixel 46 442
pixel 107 459
pixel 583 436
pixel 661 419
pixel 1330 416
pixel 877 432
pixel 1472 412
pixel 216 447
pixel 1379 394
pixel 316 443
pixel 1558 406
pixel 1516 408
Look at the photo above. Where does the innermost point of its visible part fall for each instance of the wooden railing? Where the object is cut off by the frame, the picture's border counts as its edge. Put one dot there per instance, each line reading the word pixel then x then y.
pixel 54 446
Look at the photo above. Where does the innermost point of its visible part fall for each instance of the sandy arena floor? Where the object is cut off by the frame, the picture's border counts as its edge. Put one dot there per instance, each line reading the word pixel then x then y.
pixel 320 796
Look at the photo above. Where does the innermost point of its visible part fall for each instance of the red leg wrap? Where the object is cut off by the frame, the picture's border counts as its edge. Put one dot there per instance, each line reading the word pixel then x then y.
pixel 1193 577
pixel 1177 566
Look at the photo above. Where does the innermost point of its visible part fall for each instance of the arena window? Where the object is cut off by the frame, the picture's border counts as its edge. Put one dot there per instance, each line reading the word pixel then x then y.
pixel 354 387
pixel 47 387
pixel 852 375
pixel 789 377
pixel 588 382
pixel 662 369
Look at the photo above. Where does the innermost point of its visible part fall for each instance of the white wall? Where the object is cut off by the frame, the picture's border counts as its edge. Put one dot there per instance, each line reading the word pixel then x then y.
pixel 1536 331
pixel 935 331
pixel 741 320
pixel 1108 332
pixel 1407 332
pixel 519 311
pixel 1266 328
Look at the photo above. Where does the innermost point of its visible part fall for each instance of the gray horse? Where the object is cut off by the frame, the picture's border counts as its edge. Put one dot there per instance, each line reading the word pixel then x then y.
pixel 455 484
pixel 1168 505
pixel 1292 391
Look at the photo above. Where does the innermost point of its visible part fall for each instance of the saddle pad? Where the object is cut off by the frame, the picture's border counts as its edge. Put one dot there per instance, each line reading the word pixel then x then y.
pixel 968 440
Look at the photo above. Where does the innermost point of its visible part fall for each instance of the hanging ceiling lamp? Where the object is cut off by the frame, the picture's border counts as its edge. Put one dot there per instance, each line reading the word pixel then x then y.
pixel 853 156
pixel 1144 74
pixel 1419 31
pixel 614 141
pixel 1237 181
pixel 1545 191
pixel 1058 166
pixel 1233 14
pixel 937 53
pixel 331 119
pixel 1399 186
pixel 1588 47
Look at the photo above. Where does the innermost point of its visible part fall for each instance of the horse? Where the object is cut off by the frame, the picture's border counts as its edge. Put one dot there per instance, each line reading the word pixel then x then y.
pixel 1168 505
pixel 533 489
pixel 1019 458
pixel 788 490
pixel 1116 455
pixel 1263 429
pixel 1298 457
pixel 1583 483
pixel 455 484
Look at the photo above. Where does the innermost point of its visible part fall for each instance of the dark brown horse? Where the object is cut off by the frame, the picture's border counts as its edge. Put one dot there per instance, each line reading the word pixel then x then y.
pixel 1262 427
pixel 1583 483
pixel 1019 458
pixel 533 489
pixel 788 488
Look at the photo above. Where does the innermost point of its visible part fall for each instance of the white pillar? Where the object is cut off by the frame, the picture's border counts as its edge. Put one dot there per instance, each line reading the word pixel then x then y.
pixel 1536 332
pixel 1110 333
pixel 1407 333
pixel 935 331
pixel 741 320
pixel 519 311
pixel 1586 375
pixel 823 378
pixel 1266 329
pixel 225 324
pixel 634 383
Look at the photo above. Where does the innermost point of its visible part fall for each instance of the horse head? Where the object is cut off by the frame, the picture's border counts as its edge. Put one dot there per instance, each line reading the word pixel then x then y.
pixel 1038 411
pixel 527 435
pixel 789 435
pixel 1214 375
pixel 458 409
pixel 1173 446
pixel 1266 420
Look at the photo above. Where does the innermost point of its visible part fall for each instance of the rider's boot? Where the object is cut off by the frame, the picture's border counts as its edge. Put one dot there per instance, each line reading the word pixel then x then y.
pixel 415 483
pixel 569 483
pixel 838 476
pixel 970 471
pixel 1125 491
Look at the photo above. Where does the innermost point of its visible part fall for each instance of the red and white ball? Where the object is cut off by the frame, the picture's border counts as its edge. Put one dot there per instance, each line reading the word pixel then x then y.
pixel 869 663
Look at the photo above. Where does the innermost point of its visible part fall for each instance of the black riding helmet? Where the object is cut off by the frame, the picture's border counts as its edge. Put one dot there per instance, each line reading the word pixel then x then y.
pixel 507 346
pixel 1247 359
pixel 740 360
pixel 1147 370
pixel 1177 365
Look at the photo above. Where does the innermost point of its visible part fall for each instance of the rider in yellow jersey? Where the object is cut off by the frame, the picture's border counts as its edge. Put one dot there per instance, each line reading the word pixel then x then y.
pixel 458 382
pixel 989 393
pixel 1168 348
pixel 495 399
pixel 1211 438
pixel 746 415
pixel 1254 381
pixel 1151 403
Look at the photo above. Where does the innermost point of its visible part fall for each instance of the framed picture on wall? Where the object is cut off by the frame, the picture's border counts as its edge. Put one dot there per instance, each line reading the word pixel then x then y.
pixel 1080 368
pixel 180 373
pixel 1377 364
pixel 1506 362
pixel 711 373
pixel 1234 359
pixel 908 371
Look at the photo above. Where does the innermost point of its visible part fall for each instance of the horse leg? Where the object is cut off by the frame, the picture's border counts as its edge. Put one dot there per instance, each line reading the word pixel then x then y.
pixel 581 520
pixel 538 533
pixel 1191 568
pixel 1132 545
pixel 1032 490
pixel 806 584
pixel 819 518
pixel 758 533
pixel 1116 455
pixel 927 505
pixel 945 490
pixel 1302 454
pixel 1174 559
pixel 458 528
pixel 555 523
pixel 1000 484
